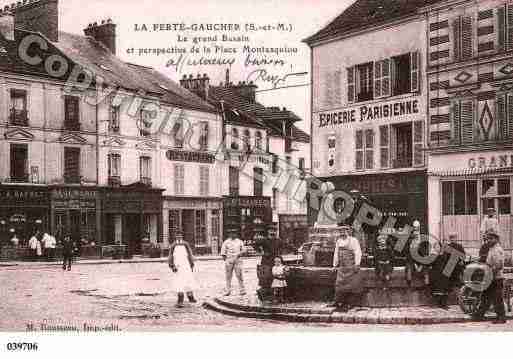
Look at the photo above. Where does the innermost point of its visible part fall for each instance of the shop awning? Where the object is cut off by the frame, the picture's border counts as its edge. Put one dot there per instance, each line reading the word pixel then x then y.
pixel 471 172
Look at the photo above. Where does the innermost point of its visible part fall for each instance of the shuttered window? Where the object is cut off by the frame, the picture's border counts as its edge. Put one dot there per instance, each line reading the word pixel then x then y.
pixel 258 181
pixel 418 143
pixel 350 85
pixel 504 110
pixel 359 150
pixel 382 78
pixel 179 179
pixel 369 149
pixel 414 68
pixel 19 163
pixel 71 165
pixel 337 90
pixel 328 89
pixel 204 180
pixel 384 144
pixel 203 140
pixel 505 27
pixel 233 181
pixel 463 121
pixel 114 161
pixel 463 38
pixel 377 78
pixel 71 113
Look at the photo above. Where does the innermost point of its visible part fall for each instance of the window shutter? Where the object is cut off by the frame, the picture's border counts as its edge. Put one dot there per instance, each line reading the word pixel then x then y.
pixel 457 38
pixel 418 143
pixel 501 28
pixel 456 123
pixel 328 89
pixel 350 84
pixel 509 133
pixel 500 110
pixel 385 78
pixel 509 27
pixel 377 78
pixel 466 37
pixel 384 143
pixel 337 79
pixel 467 121
pixel 369 149
pixel 414 67
pixel 359 149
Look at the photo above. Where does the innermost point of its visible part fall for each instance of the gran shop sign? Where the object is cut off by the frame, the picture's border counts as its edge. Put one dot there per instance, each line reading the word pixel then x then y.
pixel 372 112
pixel 491 161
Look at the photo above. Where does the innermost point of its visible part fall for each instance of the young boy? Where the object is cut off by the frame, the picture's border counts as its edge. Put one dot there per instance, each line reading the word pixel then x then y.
pixel 383 256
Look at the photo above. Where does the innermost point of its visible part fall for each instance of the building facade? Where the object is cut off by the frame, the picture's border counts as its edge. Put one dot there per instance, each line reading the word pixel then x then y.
pixel 111 152
pixel 470 77
pixel 369 106
pixel 260 150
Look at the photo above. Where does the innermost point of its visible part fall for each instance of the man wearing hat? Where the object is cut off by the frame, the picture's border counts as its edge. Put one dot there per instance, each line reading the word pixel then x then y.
pixel 494 254
pixel 347 258
pixel 489 222
pixel 232 251
pixel 442 283
pixel 271 248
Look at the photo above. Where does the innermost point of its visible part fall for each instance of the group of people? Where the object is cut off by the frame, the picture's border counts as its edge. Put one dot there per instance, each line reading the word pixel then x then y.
pixel 272 271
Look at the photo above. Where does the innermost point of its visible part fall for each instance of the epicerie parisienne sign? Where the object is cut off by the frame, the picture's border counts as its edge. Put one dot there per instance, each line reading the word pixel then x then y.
pixel 371 112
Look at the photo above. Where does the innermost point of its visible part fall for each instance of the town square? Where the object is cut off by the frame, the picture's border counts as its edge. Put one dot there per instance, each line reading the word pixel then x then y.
pixel 343 168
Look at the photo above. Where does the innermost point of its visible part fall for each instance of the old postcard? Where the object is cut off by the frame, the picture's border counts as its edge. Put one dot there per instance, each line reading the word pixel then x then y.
pixel 257 165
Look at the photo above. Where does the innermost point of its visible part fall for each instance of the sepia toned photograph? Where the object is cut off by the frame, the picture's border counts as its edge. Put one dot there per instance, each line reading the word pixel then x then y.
pixel 253 166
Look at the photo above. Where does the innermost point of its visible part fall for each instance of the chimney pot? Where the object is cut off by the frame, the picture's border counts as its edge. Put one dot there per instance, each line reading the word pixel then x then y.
pixel 284 109
pixel 185 77
pixel 205 76
pixel 19 3
pixel 198 76
pixel 190 76
pixel 95 24
pixel 109 21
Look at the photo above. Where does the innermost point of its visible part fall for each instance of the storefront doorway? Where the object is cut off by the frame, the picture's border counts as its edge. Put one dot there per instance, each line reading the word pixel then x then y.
pixel 132 232
pixel 188 226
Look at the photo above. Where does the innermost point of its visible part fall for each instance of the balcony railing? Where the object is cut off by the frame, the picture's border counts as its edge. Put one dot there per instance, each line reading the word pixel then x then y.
pixel 72 126
pixel 72 179
pixel 146 181
pixel 18 117
pixel 114 181
pixel 403 162
pixel 20 178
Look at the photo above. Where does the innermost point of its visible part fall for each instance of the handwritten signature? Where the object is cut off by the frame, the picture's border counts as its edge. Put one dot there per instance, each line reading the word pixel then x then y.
pixel 264 76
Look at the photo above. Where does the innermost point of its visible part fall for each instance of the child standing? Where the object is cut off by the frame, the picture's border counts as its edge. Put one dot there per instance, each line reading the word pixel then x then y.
pixel 383 256
pixel 279 284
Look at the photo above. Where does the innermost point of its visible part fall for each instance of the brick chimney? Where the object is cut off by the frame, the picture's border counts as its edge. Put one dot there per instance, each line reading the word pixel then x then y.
pixel 247 90
pixel 104 33
pixel 7 25
pixel 39 16
pixel 199 85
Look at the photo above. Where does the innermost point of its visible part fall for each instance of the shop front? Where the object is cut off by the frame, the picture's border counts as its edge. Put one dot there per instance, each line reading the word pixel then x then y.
pixel 462 186
pixel 200 220
pixel 131 216
pixel 245 213
pixel 24 209
pixel 399 195
pixel 293 229
pixel 74 211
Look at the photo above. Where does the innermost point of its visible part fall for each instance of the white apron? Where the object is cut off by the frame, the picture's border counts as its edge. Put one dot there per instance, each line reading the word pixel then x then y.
pixel 183 280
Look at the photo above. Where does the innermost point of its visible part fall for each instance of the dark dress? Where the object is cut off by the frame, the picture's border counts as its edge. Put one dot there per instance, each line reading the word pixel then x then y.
pixel 270 249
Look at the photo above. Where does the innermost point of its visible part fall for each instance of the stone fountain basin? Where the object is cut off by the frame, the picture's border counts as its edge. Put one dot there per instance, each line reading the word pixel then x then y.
pixel 318 284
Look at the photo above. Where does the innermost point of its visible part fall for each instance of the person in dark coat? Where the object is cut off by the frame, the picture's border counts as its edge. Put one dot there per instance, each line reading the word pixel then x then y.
pixel 383 257
pixel 442 283
pixel 68 252
pixel 271 248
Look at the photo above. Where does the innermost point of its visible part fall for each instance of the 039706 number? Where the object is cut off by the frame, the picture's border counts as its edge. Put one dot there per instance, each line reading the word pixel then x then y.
pixel 22 346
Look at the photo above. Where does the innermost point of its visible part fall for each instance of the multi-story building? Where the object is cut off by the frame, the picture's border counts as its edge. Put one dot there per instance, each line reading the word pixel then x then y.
pixel 369 105
pixel 470 78
pixel 259 144
pixel 98 147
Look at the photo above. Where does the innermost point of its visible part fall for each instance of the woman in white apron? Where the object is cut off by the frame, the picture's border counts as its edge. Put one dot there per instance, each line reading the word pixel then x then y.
pixel 181 262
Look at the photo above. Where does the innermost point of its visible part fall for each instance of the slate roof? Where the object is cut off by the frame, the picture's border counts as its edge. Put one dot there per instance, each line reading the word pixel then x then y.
pixel 367 13
pixel 94 56
pixel 254 114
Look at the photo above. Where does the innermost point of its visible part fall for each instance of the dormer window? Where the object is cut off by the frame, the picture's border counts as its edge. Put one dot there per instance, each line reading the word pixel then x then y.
pixel 145 120
pixel 114 118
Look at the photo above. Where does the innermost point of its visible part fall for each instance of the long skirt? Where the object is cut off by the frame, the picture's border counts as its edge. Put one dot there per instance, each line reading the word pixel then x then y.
pixel 349 282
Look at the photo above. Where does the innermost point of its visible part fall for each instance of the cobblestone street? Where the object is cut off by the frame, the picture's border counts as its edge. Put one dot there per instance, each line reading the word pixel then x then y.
pixel 136 297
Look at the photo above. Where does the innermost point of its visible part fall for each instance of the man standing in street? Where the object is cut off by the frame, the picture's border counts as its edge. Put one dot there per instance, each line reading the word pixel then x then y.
pixel 494 293
pixel 68 250
pixel 347 259
pixel 490 222
pixel 49 243
pixel 232 251
pixel 270 248
pixel 35 246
